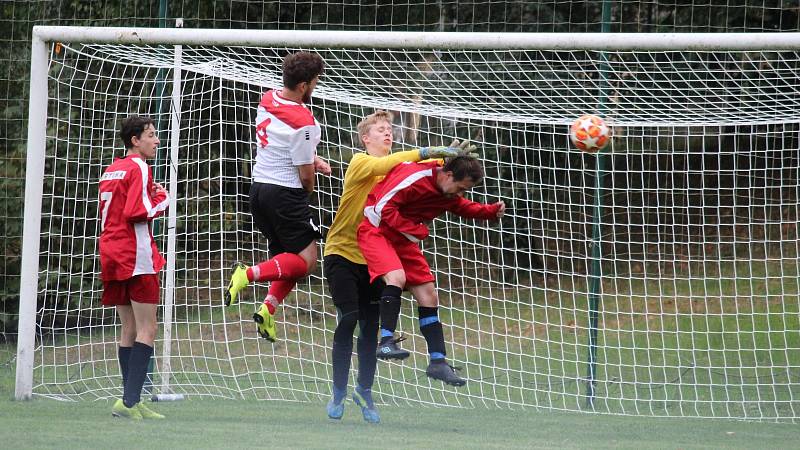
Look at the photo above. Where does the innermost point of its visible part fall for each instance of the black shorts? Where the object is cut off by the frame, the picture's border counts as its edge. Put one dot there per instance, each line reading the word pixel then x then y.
pixel 283 216
pixel 350 286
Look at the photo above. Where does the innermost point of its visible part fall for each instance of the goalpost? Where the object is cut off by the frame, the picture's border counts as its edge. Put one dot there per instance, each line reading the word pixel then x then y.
pixel 659 277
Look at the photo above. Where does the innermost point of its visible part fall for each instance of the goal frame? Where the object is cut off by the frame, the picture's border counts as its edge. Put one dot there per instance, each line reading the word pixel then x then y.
pixel 43 36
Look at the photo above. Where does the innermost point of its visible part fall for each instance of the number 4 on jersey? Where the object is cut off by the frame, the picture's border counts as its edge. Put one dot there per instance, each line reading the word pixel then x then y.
pixel 261 132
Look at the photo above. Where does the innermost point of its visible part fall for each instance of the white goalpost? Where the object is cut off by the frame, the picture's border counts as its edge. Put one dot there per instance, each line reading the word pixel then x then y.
pixel 657 277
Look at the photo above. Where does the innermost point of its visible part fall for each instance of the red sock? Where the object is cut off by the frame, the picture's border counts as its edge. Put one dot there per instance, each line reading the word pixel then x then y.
pixel 279 289
pixel 286 266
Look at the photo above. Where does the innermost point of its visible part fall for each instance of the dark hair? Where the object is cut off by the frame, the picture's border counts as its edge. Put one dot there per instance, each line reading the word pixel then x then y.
pixel 133 126
pixel 301 67
pixel 464 167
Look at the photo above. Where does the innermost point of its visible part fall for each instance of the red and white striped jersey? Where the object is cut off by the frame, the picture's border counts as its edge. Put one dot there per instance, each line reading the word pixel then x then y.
pixel 408 196
pixel 286 137
pixel 127 247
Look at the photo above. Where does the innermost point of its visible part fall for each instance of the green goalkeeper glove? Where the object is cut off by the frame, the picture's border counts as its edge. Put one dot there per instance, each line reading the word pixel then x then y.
pixel 456 148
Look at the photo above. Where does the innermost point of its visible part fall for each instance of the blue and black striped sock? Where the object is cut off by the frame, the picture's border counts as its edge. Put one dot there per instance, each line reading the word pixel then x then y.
pixel 431 328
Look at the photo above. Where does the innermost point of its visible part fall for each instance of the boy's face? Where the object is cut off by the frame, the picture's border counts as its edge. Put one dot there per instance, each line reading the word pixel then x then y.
pixel 147 144
pixel 378 139
pixel 451 188
pixel 310 86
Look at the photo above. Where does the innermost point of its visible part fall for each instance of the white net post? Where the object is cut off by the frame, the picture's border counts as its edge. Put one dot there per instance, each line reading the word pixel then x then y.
pixel 169 285
pixel 34 174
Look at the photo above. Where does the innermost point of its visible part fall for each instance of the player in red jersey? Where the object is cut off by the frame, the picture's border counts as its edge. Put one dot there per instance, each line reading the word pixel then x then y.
pixel 129 258
pixel 283 177
pixel 389 236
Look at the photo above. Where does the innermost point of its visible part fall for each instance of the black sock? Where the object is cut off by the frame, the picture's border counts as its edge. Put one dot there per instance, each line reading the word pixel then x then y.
pixel 343 347
pixel 137 372
pixel 390 310
pixel 123 355
pixel 367 344
pixel 431 328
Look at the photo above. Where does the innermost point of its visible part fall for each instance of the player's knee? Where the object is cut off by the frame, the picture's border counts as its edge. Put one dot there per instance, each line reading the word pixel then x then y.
pixel 311 266
pixel 368 328
pixel 309 255
pixel 430 299
pixel 127 336
pixel 146 334
pixel 395 278
pixel 346 325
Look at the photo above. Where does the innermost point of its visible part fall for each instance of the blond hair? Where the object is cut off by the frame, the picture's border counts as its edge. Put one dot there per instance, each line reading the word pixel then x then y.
pixel 369 121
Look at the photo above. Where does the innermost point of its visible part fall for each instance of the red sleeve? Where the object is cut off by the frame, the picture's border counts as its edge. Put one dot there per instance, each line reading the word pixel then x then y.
pixel 392 218
pixel 139 206
pixel 474 210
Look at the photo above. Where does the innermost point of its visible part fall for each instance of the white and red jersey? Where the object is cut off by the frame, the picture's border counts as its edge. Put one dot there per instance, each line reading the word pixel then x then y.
pixel 127 247
pixel 408 196
pixel 286 137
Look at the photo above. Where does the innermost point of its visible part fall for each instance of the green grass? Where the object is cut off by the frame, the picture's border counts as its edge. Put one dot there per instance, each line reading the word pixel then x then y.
pixel 215 423
pixel 725 347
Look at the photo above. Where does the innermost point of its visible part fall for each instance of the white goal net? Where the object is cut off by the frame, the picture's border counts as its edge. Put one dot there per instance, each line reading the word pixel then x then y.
pixel 658 278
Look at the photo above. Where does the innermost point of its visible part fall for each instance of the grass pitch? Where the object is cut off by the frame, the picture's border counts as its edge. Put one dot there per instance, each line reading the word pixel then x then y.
pixel 205 423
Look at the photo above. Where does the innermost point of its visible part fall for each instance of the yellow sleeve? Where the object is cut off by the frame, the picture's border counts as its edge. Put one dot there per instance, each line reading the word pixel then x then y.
pixel 366 166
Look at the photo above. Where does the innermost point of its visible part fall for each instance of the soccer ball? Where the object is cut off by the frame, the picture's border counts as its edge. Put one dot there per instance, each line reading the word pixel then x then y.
pixel 589 133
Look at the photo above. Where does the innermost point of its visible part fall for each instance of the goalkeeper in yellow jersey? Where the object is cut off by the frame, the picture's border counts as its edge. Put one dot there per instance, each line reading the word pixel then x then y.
pixel 355 298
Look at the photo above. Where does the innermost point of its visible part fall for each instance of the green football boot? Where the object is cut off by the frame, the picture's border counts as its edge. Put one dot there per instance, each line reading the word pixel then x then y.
pixel 266 324
pixel 148 413
pixel 120 410
pixel 238 282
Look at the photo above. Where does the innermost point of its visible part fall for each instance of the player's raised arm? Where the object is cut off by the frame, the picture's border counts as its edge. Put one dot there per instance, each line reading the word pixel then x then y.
pixel 370 166
pixel 382 165
pixel 378 166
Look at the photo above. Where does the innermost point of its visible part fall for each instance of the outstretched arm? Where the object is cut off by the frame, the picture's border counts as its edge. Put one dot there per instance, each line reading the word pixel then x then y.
pixel 373 166
pixel 456 148
pixel 364 166
pixel 474 210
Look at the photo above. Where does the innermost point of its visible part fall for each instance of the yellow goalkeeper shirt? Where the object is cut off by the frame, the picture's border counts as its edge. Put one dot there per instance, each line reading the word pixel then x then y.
pixel 363 173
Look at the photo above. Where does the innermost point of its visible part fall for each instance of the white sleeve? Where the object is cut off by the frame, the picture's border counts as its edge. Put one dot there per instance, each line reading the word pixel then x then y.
pixel 304 145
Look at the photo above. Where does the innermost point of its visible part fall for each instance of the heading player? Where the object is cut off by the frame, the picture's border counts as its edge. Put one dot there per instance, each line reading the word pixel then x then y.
pixel 283 179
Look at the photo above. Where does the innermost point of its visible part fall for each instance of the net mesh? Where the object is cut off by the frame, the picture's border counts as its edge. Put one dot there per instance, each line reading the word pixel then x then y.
pixel 698 300
pixel 19 16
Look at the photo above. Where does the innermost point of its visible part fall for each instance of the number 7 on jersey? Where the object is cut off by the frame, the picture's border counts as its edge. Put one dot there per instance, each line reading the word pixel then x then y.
pixel 105 202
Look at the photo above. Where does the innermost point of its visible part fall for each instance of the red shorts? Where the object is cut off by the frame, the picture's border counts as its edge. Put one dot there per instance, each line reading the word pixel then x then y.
pixel 140 289
pixel 384 255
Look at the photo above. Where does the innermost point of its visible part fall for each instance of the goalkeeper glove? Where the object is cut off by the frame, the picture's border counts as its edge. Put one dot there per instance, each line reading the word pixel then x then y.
pixel 456 148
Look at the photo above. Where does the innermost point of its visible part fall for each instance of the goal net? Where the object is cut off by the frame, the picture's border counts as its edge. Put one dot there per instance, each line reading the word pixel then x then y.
pixel 658 277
